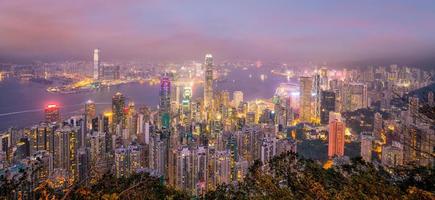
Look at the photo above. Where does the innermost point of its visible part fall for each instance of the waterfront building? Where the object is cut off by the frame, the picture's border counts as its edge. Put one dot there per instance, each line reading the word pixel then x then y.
pixel 52 113
pixel 97 65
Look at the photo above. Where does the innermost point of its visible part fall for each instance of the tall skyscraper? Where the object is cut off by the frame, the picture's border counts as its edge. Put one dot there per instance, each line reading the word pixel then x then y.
pixel 327 104
pixel 118 105
pixel 377 126
pixel 336 136
pixel 90 112
pixel 165 101
pixel 324 82
pixel 306 84
pixel 97 70
pixel 208 86
pixel 52 113
pixel 317 96
pixel 237 98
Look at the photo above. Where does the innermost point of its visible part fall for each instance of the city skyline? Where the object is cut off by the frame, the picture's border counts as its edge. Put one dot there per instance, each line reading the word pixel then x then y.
pixel 336 33
pixel 217 100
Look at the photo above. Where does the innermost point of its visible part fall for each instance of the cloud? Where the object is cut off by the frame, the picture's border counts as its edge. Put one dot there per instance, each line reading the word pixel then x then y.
pixel 183 30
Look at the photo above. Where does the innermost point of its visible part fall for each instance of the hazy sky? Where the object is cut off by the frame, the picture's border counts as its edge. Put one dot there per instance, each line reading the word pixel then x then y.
pixel 370 31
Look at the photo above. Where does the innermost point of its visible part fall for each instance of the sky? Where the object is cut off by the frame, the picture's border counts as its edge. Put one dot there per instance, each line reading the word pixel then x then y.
pixel 333 31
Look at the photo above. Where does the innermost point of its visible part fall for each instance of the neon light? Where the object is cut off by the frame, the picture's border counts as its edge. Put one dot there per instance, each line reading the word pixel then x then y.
pixel 51 106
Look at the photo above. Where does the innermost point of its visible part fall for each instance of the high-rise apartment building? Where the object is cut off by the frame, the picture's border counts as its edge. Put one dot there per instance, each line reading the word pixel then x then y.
pixel 336 136
pixel 306 84
pixel 327 104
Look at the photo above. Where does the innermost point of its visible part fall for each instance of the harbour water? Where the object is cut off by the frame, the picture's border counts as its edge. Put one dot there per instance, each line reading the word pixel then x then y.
pixel 22 102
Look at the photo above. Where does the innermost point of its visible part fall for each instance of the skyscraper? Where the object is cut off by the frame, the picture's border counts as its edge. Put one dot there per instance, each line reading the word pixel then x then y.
pixel 366 146
pixel 327 104
pixel 237 98
pixel 90 112
pixel 377 126
pixel 165 100
pixel 118 105
pixel 208 86
pixel 336 136
pixel 317 96
pixel 356 96
pixel 97 70
pixel 306 84
pixel 52 113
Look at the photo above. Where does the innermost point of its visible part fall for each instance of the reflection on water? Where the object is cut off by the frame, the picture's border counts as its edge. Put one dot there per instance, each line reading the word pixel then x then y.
pixel 21 103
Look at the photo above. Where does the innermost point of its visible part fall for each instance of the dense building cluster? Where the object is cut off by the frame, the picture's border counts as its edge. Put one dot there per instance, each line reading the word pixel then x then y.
pixel 197 144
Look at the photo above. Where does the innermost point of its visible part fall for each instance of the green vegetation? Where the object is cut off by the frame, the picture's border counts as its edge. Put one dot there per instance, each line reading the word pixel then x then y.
pixel 291 177
pixel 286 176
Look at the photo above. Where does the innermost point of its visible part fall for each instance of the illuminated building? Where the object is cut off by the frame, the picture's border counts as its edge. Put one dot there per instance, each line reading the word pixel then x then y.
pixel 110 72
pixel 97 70
pixel 323 82
pixel 220 164
pixel 377 126
pixel 83 164
pixel 52 113
pixel 418 144
pixel 237 98
pixel 366 146
pixel 413 106
pixel 285 145
pixel 327 104
pixel 268 149
pixel 118 105
pixel 356 96
pixel 65 151
pixel 121 162
pixel 5 144
pixel 45 165
pixel 165 101
pixel 22 148
pixel 208 86
pixel 40 137
pixel 336 136
pixel 306 84
pixel 288 92
pixel 184 169
pixel 392 155
pixel 90 112
pixel 317 96
pixel 200 169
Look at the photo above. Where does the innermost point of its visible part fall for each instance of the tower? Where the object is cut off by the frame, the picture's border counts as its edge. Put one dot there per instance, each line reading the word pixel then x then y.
pixel 316 91
pixel 165 100
pixel 118 104
pixel 208 87
pixel 377 126
pixel 327 104
pixel 97 70
pixel 305 91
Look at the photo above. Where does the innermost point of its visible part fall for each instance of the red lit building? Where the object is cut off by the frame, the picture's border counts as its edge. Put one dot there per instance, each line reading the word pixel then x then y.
pixel 336 138
pixel 52 113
